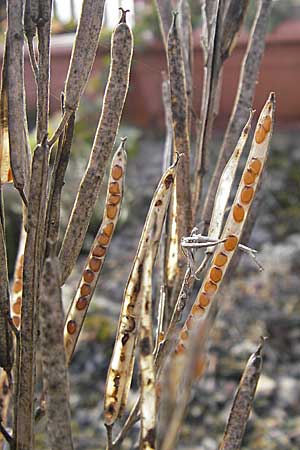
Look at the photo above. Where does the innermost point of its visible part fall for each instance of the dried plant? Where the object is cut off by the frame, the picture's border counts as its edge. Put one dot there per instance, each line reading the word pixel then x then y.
pixel 31 316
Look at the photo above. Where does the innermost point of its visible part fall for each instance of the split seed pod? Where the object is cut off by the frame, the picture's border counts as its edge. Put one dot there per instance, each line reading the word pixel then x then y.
pixel 122 361
pixel 235 222
pixel 113 102
pixel 91 273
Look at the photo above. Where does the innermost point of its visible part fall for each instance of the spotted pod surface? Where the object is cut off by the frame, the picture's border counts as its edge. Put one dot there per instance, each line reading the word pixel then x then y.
pixel 99 249
pixel 122 361
pixel 234 225
pixel 108 125
pixel 84 51
pixel 146 360
pixel 242 402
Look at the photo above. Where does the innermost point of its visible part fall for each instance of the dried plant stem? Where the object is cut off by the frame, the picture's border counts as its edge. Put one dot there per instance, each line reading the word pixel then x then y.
pixel 57 181
pixel 114 99
pixel 53 357
pixel 30 22
pixel 4 403
pixel 43 29
pixel 243 100
pixel 242 403
pixel 24 395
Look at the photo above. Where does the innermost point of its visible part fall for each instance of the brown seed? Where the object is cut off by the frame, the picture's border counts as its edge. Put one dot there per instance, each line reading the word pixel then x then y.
pixel 111 211
pixel 17 286
pixel 267 123
pixel 247 194
pixel 197 311
pixel 103 239
pixel 85 289
pixel 184 335
pixel 255 165
pixel 180 348
pixel 81 303
pixel 260 135
pixel 16 321
pixel 88 275
pixel 114 199
pixel 117 172
pixel 203 299
pixel 95 264
pixel 108 229
pixel 210 287
pixel 230 243
pixel 215 274
pixel 189 322
pixel 71 326
pixel 114 188
pixel 99 251
pixel 249 177
pixel 16 308
pixel 220 259
pixel 238 213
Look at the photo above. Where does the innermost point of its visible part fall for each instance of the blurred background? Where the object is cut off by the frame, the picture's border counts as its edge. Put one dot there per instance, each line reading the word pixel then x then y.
pixel 255 303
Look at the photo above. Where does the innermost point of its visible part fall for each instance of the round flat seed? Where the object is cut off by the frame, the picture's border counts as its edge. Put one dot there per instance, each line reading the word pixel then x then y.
pixel 16 308
pixel 184 335
pixel 108 229
pixel 85 289
pixel 88 276
pixel 99 251
pixel 267 123
pixel 238 213
pixel 247 194
pixel 95 264
pixel 103 239
pixel 111 211
pixel 117 172
pixel 210 287
pixel 81 303
pixel 71 326
pixel 197 311
pixel 114 188
pixel 260 135
pixel 189 322
pixel 203 300
pixel 180 348
pixel 17 286
pixel 215 274
pixel 220 259
pixel 114 199
pixel 255 166
pixel 230 243
pixel 16 321
pixel 249 177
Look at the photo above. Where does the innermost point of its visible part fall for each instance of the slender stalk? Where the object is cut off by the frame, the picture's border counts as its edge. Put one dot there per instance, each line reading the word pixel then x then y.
pixel 164 9
pixel 54 363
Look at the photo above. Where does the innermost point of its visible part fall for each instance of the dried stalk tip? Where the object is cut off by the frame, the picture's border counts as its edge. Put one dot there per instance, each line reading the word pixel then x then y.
pixel 123 16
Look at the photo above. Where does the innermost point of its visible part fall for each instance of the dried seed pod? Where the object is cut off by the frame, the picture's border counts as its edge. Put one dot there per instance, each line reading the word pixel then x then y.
pixel 6 339
pixel 54 367
pixel 5 169
pixel 16 299
pixel 17 122
pixel 225 185
pixel 122 360
pixel 242 403
pixel 237 217
pixel 93 265
pixel 146 360
pixel 83 52
pixel 4 402
pixel 113 102
pixel 33 254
